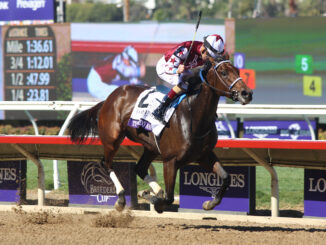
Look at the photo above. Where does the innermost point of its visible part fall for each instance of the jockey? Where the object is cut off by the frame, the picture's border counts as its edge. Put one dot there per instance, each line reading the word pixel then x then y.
pixel 171 67
pixel 114 71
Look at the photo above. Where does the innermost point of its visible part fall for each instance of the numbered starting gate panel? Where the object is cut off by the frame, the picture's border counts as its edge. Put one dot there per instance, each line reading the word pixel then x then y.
pixel 239 60
pixel 249 77
pixel 304 64
pixel 312 86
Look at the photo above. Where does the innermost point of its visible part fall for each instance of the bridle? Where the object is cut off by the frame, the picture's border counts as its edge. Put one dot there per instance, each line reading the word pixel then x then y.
pixel 231 93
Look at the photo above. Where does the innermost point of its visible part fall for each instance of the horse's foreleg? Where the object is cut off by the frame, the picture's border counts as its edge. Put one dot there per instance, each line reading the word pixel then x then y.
pixel 142 171
pixel 212 163
pixel 170 173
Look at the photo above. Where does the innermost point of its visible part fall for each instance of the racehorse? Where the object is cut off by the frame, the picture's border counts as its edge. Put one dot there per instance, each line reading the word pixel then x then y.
pixel 189 137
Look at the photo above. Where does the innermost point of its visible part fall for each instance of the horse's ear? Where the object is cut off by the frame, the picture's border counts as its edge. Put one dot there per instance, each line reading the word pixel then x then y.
pixel 226 56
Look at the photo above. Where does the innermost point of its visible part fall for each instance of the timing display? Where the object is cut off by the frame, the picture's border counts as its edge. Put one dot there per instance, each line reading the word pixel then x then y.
pixel 39 46
pixel 30 63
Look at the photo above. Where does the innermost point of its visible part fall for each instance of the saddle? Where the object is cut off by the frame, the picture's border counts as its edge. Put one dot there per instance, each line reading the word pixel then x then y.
pixel 147 102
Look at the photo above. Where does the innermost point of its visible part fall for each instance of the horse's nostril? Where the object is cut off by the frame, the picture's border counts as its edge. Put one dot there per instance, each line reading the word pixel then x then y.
pixel 246 95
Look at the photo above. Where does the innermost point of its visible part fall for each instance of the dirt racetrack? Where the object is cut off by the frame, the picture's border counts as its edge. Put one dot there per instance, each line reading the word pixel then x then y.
pixel 31 225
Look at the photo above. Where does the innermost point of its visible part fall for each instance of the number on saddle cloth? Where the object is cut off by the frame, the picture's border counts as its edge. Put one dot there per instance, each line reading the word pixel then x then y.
pixel 165 90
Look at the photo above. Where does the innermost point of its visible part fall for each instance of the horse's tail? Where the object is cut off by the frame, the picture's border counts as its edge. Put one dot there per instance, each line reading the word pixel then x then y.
pixel 84 124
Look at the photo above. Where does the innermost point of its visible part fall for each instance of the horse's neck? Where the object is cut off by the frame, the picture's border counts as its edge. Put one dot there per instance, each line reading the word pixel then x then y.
pixel 204 107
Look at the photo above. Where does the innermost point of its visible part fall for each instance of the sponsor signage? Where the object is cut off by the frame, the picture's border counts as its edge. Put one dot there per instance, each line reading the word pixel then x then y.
pixel 198 186
pixel 287 129
pixel 90 183
pixel 224 130
pixel 1 74
pixel 12 11
pixel 315 193
pixel 12 181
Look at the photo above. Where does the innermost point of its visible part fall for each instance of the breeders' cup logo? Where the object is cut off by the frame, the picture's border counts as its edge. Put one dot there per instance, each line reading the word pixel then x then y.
pixel 223 132
pixel 294 130
pixel 97 182
pixel 211 182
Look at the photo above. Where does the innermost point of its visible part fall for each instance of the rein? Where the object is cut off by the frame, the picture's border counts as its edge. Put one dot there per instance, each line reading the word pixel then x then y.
pixel 232 94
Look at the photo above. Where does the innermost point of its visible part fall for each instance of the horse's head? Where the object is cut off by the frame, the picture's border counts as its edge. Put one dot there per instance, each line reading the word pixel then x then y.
pixel 224 79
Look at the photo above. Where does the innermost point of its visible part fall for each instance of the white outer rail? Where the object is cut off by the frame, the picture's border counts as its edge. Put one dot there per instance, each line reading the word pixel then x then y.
pixel 252 109
pixel 281 110
pixel 223 109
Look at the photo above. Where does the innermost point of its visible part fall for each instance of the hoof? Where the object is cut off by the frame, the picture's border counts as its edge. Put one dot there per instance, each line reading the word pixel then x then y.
pixel 159 204
pixel 208 205
pixel 118 206
pixel 121 202
pixel 143 193
pixel 211 204
pixel 160 194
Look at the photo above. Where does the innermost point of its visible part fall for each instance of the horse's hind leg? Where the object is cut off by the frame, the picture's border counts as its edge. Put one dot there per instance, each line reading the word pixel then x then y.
pixel 110 149
pixel 211 163
pixel 142 171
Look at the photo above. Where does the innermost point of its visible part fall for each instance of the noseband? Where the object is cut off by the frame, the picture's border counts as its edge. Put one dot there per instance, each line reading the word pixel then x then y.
pixel 233 94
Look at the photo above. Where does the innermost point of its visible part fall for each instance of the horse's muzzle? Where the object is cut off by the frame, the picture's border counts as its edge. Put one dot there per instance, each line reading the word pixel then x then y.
pixel 245 96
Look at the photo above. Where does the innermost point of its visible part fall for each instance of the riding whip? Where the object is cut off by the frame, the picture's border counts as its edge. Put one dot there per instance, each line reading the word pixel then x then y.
pixel 198 21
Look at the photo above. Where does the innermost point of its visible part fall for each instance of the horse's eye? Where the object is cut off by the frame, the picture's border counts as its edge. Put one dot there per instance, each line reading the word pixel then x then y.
pixel 224 74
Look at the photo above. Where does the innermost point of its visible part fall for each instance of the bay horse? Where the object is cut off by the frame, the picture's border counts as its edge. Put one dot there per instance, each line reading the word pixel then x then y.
pixel 189 137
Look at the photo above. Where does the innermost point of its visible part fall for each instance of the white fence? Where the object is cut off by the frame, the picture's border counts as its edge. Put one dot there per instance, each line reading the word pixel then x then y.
pixel 73 107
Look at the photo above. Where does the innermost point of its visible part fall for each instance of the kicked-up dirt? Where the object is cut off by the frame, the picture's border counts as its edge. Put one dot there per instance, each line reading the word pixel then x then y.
pixel 54 227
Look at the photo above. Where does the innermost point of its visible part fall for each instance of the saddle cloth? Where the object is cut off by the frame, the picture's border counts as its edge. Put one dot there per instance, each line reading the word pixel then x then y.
pixel 147 102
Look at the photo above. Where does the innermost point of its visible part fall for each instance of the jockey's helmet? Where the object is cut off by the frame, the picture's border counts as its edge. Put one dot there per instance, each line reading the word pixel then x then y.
pixel 131 54
pixel 214 45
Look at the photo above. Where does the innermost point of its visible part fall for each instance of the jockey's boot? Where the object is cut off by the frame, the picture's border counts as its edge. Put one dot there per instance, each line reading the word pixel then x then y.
pixel 159 112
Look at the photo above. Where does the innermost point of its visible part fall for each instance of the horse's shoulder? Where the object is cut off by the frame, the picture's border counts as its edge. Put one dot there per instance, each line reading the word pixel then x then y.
pixel 133 88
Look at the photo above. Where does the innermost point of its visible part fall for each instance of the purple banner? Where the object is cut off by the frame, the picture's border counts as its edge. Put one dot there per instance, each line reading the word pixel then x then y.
pixel 1 74
pixel 12 181
pixel 90 184
pixel 224 131
pixel 26 10
pixel 289 129
pixel 198 186
pixel 315 193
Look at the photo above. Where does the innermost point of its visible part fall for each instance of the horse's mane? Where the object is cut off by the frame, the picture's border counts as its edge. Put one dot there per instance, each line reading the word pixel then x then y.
pixel 222 57
pixel 193 78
